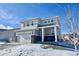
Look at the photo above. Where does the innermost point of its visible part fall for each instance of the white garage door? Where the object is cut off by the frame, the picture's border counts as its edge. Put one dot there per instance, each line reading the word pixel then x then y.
pixel 26 37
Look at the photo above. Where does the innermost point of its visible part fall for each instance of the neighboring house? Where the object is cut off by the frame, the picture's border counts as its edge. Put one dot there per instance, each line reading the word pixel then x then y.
pixel 39 30
pixel 69 37
pixel 8 35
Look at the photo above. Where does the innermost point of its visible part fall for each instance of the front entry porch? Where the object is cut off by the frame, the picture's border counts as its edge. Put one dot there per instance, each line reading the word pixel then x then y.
pixel 49 34
pixel 45 34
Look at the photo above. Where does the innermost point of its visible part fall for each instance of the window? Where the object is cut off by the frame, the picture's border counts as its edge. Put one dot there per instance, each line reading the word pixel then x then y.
pixel 51 20
pixel 32 23
pixel 53 33
pixel 48 21
pixel 45 22
pixel 27 24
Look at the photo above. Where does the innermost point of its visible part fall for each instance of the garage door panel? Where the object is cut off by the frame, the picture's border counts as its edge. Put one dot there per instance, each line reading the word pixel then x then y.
pixel 25 38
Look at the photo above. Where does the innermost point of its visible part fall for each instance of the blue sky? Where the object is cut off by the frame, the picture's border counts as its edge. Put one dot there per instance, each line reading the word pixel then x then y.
pixel 12 14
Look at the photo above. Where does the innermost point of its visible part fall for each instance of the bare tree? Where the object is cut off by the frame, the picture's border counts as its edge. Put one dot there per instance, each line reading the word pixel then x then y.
pixel 70 23
pixel 70 19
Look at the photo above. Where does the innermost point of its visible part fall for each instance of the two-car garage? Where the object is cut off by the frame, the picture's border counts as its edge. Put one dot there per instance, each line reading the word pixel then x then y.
pixel 24 36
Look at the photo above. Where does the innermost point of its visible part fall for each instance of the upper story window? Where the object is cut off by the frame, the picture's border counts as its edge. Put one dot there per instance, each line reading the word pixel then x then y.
pixel 27 24
pixel 51 20
pixel 45 22
pixel 48 21
pixel 32 23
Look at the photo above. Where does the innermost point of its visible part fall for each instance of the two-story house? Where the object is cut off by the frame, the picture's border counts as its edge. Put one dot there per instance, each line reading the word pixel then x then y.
pixel 39 30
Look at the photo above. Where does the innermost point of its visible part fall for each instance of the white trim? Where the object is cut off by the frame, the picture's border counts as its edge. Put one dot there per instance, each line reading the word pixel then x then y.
pixel 42 34
pixel 48 26
pixel 55 31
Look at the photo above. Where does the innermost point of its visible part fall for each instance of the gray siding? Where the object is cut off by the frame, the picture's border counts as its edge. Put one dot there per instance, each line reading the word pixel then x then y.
pixel 8 36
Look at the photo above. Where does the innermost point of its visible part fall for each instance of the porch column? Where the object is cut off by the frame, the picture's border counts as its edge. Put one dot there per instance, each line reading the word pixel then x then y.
pixel 42 34
pixel 55 32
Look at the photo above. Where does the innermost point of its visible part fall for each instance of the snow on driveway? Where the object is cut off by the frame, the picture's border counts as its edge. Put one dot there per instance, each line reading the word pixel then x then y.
pixel 34 50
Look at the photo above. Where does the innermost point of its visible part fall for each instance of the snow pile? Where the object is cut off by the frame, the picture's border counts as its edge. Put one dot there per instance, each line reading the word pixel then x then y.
pixel 2 42
pixel 34 50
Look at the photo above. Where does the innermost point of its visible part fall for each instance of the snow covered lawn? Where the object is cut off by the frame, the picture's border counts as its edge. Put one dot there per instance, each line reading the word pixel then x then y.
pixel 34 50
pixel 2 42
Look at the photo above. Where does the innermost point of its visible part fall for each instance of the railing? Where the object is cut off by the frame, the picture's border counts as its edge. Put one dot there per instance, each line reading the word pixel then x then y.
pixel 46 24
pixel 35 38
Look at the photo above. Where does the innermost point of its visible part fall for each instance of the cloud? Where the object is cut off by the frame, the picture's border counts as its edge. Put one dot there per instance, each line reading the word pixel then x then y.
pixel 8 27
pixel 5 27
pixel 8 17
pixel 4 15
